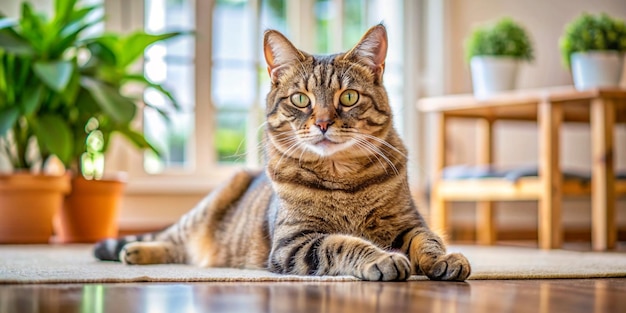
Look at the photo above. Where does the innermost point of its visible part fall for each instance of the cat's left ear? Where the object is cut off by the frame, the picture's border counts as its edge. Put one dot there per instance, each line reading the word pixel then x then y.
pixel 371 50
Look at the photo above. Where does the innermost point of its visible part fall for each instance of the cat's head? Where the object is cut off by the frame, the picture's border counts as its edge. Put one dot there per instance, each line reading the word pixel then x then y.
pixel 327 106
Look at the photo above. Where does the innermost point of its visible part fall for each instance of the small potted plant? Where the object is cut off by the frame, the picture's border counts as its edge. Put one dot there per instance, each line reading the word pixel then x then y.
pixel 494 52
pixel 593 47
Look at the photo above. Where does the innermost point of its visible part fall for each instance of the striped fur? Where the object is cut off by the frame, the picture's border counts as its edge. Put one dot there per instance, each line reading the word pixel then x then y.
pixel 334 197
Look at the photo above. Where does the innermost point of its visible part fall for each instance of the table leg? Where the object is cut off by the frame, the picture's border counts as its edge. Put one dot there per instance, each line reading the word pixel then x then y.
pixel 550 116
pixel 604 231
pixel 438 210
pixel 485 211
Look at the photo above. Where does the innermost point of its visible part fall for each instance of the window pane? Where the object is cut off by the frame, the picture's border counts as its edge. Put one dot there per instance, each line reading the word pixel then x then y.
pixel 171 138
pixel 179 79
pixel 230 138
pixel 353 22
pixel 233 87
pixel 232 35
pixel 324 13
pixel 167 15
pixel 234 76
pixel 273 15
pixel 169 63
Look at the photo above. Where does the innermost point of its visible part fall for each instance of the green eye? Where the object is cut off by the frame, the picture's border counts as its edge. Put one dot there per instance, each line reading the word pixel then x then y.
pixel 349 97
pixel 300 100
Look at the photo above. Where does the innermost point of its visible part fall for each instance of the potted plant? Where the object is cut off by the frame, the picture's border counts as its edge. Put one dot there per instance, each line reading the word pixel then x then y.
pixel 494 52
pixel 59 98
pixel 102 108
pixel 593 47
pixel 35 68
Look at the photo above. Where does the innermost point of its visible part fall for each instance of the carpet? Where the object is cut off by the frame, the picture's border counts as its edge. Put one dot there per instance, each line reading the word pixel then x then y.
pixel 75 264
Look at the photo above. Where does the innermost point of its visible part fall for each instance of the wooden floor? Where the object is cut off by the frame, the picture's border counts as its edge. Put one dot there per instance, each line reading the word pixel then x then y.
pixel 570 295
pixel 587 295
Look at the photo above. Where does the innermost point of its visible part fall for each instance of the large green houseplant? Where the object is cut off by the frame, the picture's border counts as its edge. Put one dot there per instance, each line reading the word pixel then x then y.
pixel 494 51
pixel 36 67
pixel 67 87
pixel 593 47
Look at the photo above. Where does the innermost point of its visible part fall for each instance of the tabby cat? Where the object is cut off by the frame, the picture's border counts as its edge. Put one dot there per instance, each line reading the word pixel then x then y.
pixel 333 198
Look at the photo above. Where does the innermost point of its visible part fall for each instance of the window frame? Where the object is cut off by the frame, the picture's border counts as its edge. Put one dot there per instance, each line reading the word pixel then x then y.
pixel 207 173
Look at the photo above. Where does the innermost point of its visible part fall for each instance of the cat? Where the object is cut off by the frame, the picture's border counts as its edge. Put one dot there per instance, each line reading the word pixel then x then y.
pixel 333 198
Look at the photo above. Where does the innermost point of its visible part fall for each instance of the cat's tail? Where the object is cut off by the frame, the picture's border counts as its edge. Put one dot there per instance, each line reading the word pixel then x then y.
pixel 109 249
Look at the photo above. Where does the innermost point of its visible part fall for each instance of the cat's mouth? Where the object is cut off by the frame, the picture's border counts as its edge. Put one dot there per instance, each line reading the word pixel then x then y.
pixel 325 142
pixel 326 146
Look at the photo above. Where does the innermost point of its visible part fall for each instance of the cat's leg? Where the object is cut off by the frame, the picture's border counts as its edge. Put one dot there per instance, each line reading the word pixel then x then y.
pixel 152 252
pixel 151 248
pixel 427 253
pixel 334 254
pixel 189 240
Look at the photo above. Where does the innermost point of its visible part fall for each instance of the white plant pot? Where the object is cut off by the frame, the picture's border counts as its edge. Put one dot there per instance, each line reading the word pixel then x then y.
pixel 593 69
pixel 491 74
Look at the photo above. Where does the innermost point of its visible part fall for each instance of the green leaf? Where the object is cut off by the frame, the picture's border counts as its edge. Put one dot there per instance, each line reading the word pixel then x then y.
pixel 31 100
pixel 121 109
pixel 136 43
pixel 33 25
pixel 103 52
pixel 63 9
pixel 85 103
pixel 80 20
pixel 8 117
pixel 54 134
pixel 12 42
pixel 138 140
pixel 81 14
pixel 142 79
pixel 55 75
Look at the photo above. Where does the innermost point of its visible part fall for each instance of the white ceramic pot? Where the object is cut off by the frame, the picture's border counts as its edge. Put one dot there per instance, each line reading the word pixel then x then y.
pixel 492 74
pixel 593 69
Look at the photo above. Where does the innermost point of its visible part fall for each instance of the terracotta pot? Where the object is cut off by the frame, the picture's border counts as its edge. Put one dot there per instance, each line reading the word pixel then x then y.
pixel 90 212
pixel 28 203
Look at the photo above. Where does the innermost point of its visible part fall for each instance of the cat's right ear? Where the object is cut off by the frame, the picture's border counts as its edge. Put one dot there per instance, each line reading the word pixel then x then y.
pixel 279 53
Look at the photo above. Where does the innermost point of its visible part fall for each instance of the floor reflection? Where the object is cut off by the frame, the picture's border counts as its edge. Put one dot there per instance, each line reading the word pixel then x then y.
pixel 359 297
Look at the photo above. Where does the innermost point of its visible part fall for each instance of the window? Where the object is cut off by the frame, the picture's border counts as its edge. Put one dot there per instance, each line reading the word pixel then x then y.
pixel 170 63
pixel 220 79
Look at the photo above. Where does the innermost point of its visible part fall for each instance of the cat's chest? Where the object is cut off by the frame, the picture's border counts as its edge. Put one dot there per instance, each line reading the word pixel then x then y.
pixel 366 214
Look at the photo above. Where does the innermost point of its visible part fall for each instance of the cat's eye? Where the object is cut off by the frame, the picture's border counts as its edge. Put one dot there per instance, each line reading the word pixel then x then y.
pixel 349 97
pixel 300 100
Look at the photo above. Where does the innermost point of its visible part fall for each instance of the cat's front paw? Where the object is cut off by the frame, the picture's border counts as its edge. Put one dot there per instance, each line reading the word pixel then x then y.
pixel 387 267
pixel 453 266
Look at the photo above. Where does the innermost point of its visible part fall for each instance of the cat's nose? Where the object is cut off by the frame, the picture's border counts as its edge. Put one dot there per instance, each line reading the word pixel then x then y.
pixel 323 124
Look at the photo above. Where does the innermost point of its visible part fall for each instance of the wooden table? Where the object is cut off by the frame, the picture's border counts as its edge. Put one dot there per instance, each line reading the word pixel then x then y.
pixel 549 107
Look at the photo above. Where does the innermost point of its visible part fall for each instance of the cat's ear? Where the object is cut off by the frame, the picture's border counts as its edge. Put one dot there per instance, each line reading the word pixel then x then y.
pixel 279 53
pixel 371 50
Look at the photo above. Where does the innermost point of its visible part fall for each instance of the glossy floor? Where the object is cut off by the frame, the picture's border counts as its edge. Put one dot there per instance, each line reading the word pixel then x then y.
pixel 586 295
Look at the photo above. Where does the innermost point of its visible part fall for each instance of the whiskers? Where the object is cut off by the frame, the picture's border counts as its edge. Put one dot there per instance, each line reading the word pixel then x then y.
pixel 290 141
pixel 382 153
pixel 239 155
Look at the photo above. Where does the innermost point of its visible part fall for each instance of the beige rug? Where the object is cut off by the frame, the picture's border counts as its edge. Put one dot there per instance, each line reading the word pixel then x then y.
pixel 75 264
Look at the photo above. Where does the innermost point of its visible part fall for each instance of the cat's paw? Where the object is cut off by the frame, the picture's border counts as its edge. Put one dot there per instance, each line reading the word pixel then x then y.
pixel 387 267
pixel 453 266
pixel 142 253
